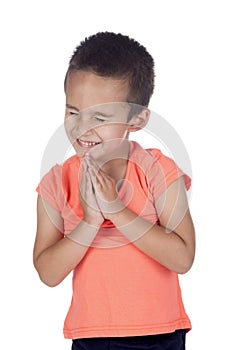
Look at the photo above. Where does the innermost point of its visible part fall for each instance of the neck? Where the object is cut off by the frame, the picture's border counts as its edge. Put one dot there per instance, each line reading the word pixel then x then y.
pixel 116 169
pixel 117 165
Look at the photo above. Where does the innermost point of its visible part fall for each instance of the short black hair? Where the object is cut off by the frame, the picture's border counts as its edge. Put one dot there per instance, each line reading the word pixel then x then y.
pixel 114 55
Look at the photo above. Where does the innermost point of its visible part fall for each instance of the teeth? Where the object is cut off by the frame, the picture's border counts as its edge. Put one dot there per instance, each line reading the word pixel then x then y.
pixel 88 144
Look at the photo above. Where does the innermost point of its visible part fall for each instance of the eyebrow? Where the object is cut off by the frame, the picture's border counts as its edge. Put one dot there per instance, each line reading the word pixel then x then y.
pixel 72 107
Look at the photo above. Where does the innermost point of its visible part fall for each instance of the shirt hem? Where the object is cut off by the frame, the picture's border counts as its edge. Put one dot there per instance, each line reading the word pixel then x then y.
pixel 113 331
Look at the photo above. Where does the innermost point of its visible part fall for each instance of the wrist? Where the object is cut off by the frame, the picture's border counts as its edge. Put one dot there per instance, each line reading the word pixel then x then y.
pixel 93 222
pixel 131 224
pixel 114 211
pixel 119 217
pixel 83 234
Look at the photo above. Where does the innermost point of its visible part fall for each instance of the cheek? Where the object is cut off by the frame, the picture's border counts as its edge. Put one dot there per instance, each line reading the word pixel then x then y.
pixel 69 125
pixel 73 129
pixel 112 132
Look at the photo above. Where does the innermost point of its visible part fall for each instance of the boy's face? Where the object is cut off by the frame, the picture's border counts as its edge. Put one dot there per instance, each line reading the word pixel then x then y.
pixel 96 113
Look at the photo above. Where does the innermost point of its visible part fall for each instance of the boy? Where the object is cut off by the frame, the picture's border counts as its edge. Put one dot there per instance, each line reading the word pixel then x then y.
pixel 115 214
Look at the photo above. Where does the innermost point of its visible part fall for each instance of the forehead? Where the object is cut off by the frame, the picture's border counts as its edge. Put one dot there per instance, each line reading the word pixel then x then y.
pixel 86 89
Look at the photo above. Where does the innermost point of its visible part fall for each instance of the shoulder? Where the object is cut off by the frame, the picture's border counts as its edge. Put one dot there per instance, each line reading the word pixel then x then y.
pixel 162 161
pixel 59 170
pixel 58 173
pixel 148 158
pixel 156 153
pixel 70 169
pixel 161 170
pixel 166 171
pixel 142 156
pixel 66 166
pixel 56 183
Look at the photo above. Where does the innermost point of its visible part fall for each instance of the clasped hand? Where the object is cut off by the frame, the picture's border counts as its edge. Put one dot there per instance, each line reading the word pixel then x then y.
pixel 98 194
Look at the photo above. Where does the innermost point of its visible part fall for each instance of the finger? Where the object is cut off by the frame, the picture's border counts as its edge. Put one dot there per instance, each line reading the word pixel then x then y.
pixel 95 204
pixel 90 179
pixel 86 186
pixel 84 167
pixel 94 177
pixel 88 194
pixel 81 174
pixel 99 178
pixel 92 164
pixel 96 171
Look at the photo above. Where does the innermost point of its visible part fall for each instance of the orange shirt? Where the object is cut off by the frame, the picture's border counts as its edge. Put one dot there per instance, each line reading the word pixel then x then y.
pixel 117 289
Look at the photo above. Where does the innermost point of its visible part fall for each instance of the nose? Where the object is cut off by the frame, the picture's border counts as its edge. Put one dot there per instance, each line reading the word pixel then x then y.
pixel 76 127
pixel 85 127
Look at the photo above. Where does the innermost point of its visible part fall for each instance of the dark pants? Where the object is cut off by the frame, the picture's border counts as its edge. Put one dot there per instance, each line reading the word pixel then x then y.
pixel 169 341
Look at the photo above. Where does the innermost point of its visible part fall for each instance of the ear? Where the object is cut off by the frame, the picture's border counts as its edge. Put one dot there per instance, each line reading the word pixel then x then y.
pixel 139 120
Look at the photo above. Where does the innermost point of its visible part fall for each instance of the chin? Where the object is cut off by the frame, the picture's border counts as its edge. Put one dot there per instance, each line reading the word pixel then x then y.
pixel 94 151
pixel 103 155
pixel 79 151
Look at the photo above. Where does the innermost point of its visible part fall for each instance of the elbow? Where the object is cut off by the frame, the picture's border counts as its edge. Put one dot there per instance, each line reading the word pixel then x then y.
pixel 187 260
pixel 183 270
pixel 46 277
pixel 185 265
pixel 48 280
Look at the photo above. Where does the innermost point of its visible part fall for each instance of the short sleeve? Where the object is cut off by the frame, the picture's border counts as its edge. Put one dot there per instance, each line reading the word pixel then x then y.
pixel 50 187
pixel 163 173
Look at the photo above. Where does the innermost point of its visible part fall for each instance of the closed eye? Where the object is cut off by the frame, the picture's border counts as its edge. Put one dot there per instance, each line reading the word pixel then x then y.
pixel 73 113
pixel 100 119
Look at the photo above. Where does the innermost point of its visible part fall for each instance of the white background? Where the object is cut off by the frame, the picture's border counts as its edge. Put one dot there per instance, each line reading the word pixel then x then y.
pixel 192 44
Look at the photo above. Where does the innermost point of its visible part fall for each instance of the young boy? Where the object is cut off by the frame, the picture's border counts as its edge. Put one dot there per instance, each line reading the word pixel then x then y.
pixel 114 213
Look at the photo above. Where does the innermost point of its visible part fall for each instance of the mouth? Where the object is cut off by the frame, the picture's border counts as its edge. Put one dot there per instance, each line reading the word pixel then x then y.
pixel 87 144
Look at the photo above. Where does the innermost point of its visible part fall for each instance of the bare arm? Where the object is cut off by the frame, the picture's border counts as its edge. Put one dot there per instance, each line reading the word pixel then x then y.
pixel 54 256
pixel 173 243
